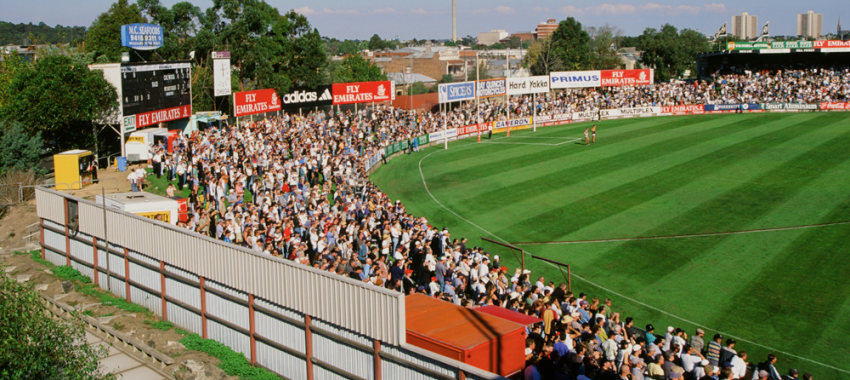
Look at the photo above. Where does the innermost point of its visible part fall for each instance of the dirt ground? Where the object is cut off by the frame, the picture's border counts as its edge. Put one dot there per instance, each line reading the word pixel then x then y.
pixel 186 363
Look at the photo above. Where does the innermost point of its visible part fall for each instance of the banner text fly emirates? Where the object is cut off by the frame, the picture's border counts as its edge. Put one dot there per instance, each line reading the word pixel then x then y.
pixel 615 78
pixel 161 116
pixel 362 92
pixel 254 102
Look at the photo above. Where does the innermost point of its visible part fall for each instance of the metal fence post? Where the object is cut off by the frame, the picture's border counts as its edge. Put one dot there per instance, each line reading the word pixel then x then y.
pixel 377 354
pixel 162 290
pixel 127 272
pixel 252 329
pixel 41 231
pixel 94 259
pixel 308 345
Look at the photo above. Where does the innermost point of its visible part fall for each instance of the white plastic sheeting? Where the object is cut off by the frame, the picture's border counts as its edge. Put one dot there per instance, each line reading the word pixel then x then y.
pixel 282 363
pixel 186 319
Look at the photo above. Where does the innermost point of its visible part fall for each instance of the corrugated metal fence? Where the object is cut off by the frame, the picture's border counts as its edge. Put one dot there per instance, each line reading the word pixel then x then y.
pixel 297 321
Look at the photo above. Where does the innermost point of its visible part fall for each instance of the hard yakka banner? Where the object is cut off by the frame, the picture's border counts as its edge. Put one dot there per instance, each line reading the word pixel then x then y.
pixel 254 102
pixel 619 78
pixel 303 97
pixel 362 92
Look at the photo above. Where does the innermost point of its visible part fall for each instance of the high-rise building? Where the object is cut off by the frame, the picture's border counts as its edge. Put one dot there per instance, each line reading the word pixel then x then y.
pixel 809 24
pixel 745 26
pixel 545 29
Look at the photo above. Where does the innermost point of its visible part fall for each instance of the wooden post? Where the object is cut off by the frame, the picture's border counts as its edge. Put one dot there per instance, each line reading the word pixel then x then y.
pixel 203 309
pixel 522 257
pixel 377 355
pixel 569 279
pixel 67 236
pixel 253 329
pixel 126 271
pixel 308 346
pixel 461 375
pixel 94 259
pixel 162 290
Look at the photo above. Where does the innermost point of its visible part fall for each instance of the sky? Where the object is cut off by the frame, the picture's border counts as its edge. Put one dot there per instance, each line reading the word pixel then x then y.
pixel 346 19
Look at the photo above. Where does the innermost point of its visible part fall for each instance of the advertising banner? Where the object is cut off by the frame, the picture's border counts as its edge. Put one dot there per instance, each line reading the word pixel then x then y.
pixel 423 140
pixel 362 92
pixel 161 116
pixel 221 74
pixel 528 85
pixel 792 45
pixel 731 107
pixel 141 36
pixel 683 110
pixel 618 78
pixel 254 102
pixel 585 115
pixel 576 79
pixel 789 106
pixel 303 97
pixel 455 92
pixel 630 112
pixel 155 86
pixel 747 45
pixel 490 87
pixel 472 129
pixel 514 123
pixel 831 44
pixel 834 106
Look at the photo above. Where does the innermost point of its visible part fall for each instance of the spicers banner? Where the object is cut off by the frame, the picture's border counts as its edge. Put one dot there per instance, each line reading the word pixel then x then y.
pixel 363 92
pixel 454 92
pixel 254 102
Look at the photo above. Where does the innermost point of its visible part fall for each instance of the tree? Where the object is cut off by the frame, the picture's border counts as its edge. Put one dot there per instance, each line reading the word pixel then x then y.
pixel 419 88
pixel 514 42
pixel 572 45
pixel 348 47
pixel 450 43
pixel 447 78
pixel 356 69
pixel 10 66
pixel 59 99
pixel 603 41
pixel 376 43
pixel 104 35
pixel 542 59
pixel 670 52
pixel 18 150
pixel 36 346
pixel 497 46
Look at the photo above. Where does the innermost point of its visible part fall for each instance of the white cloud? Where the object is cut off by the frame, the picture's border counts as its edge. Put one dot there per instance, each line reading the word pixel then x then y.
pixel 306 11
pixel 504 9
pixel 623 9
pixel 339 11
pixel 541 9
pixel 419 11
pixel 383 11
pixel 480 11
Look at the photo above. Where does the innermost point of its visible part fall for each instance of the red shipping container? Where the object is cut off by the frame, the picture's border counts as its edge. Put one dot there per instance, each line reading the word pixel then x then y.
pixel 481 340
pixel 510 315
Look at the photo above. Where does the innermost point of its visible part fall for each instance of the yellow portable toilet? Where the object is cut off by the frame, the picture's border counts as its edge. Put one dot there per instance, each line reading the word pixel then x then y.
pixel 74 168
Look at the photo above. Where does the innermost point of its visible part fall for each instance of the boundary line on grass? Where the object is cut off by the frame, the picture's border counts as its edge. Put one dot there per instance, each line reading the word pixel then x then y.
pixel 425 184
pixel 686 236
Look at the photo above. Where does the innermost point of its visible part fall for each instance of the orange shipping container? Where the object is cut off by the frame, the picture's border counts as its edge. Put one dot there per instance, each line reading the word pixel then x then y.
pixel 478 339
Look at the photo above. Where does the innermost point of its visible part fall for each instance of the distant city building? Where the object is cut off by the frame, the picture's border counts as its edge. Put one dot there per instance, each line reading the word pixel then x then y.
pixel 491 37
pixel 523 36
pixel 545 29
pixel 842 34
pixel 745 26
pixel 810 25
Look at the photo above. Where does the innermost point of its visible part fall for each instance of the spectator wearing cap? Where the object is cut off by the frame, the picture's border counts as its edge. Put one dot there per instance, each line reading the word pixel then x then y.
pixel 650 334
pixel 496 263
pixel 712 352
pixel 668 338
pixel 696 341
pixel 739 365
pixel 679 339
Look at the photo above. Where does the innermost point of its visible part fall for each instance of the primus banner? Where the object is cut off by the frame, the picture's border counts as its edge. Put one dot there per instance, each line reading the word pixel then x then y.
pixel 454 92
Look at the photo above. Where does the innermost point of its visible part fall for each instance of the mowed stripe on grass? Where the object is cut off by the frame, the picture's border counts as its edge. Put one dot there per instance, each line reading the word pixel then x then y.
pixel 662 176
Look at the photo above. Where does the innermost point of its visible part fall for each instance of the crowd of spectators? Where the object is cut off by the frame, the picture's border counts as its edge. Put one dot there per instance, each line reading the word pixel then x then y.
pixel 296 187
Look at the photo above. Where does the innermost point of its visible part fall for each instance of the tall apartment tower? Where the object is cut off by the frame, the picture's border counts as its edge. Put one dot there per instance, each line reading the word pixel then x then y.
pixel 745 26
pixel 454 20
pixel 809 24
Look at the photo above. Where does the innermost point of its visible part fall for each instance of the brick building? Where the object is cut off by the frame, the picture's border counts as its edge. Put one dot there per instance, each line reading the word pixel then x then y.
pixel 429 63
pixel 545 29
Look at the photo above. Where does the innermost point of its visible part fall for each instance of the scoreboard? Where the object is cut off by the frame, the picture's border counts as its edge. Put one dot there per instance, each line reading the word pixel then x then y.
pixel 155 92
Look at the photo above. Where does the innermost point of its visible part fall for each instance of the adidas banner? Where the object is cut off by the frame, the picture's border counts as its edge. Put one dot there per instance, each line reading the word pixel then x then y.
pixel 302 97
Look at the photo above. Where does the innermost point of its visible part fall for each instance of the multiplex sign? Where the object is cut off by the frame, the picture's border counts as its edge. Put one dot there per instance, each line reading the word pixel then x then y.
pixel 528 85
pixel 362 92
pixel 454 92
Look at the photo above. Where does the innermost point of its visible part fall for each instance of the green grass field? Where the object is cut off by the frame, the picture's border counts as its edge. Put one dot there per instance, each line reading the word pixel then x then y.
pixel 785 292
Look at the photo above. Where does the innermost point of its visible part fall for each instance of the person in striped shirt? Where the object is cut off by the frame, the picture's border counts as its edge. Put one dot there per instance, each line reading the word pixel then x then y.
pixel 712 353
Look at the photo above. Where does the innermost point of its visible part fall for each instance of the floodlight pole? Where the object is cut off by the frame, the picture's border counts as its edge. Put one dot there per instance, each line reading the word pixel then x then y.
pixel 477 110
pixel 507 97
